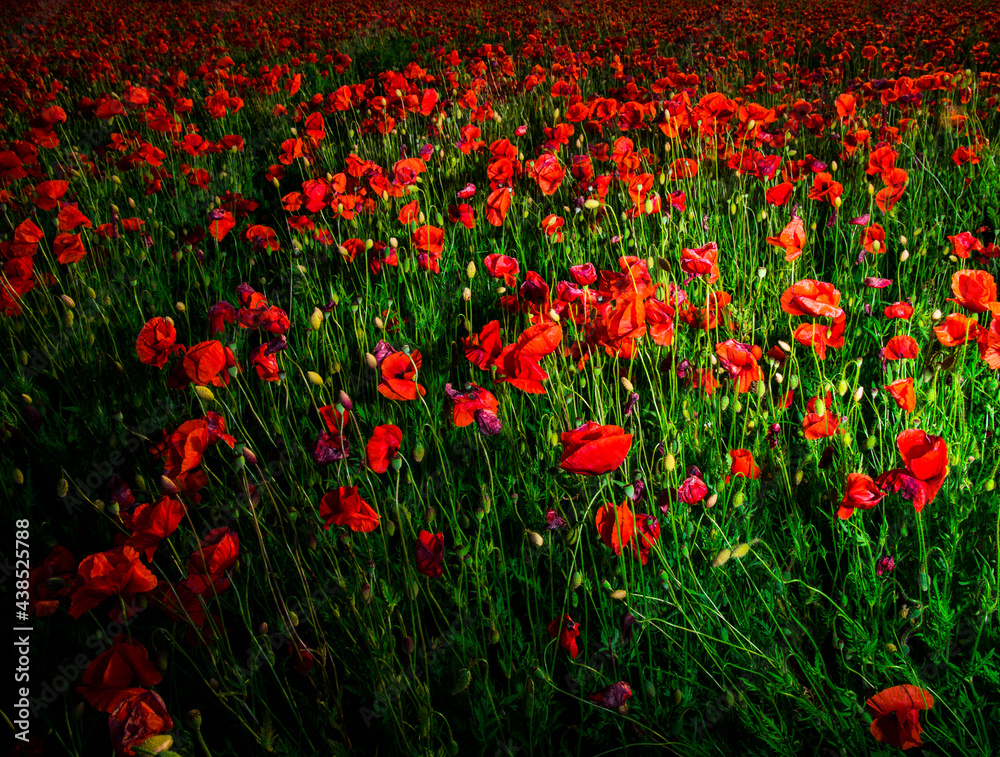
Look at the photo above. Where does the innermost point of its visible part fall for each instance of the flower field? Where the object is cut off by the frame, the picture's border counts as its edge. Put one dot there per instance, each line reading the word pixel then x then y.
pixel 501 379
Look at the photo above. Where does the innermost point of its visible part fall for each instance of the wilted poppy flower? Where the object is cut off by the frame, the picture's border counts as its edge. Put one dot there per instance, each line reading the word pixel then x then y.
pixel 430 554
pixel 740 363
pixel 136 719
pixel 465 404
pixel 567 630
pixel 116 571
pixel 613 697
pixel 901 347
pixel 873 282
pixel 812 297
pixel 897 715
pixel 111 677
pixel 902 392
pixel 791 239
pixel 399 376
pixel 975 291
pixel 615 525
pixel 344 507
pixel 925 460
pixel 860 493
pixel 593 449
pixel 157 342
pixel 743 465
pixel 383 446
pixel 553 520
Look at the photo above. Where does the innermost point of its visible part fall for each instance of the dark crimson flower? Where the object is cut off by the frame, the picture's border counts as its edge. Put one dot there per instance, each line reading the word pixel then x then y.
pixel 613 697
pixel 383 446
pixel 466 404
pixel 860 493
pixel 487 421
pixel 593 449
pixel 567 630
pixel 399 376
pixel 876 283
pixel 553 521
pixel 885 565
pixel 110 678
pixel 344 507
pixel 693 489
pixel 330 447
pixel 897 715
pixel 153 523
pixel 51 580
pixel 430 554
pixel 583 274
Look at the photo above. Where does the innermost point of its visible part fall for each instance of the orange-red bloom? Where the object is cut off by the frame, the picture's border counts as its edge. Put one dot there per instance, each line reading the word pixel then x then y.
pixel 812 297
pixel 593 449
pixel 157 342
pixel 383 446
pixel 958 329
pixel 399 376
pixel 925 460
pixel 975 291
pixel 902 392
pixel 116 571
pixel 740 363
pixel 567 630
pixel 743 465
pixel 615 525
pixel 791 239
pixel 897 715
pixel 901 347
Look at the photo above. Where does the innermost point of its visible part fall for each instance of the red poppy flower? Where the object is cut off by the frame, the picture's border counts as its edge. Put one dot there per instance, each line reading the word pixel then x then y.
pixel 615 525
pixel 959 329
pixel 583 274
pixel 740 363
pixel 548 173
pixel 382 447
pixel 812 297
pixel 503 267
pixel 903 394
pixel 409 212
pixel 205 363
pixel 964 243
pixel 860 493
pixel 780 194
pixel 221 224
pixel 497 204
pixel 216 554
pixel 925 460
pixel 465 404
pixel 45 592
pixel 901 347
pixel 703 261
pixel 344 507
pixel 48 193
pixel 897 715
pixel 399 376
pixel 593 449
pixel 116 571
pixel 110 677
pixel 567 630
pixel 68 248
pixel 153 523
pixel 647 533
pixel 817 426
pixel 791 239
pixel 903 310
pixel 825 189
pixel 182 450
pixel 871 235
pixel 693 489
pixel 430 554
pixel 975 291
pixel 743 465
pixel 156 342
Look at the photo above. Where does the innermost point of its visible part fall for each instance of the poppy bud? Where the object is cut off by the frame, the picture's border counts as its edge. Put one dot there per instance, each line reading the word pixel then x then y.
pixel 837 203
pixel 168 486
pixel 710 502
pixel 677 697
pixel 371 361
pixel 902 240
pixel 670 462
pixel 619 595
pixel 904 256
pixel 722 558
pixel 798 477
pixel 204 393
pixel 316 319
pixel 62 488
pixel 989 485
pixel 741 551
pixel 859 393
pixel 738 499
pixel 419 452
pixel 466 294
pixel 842 387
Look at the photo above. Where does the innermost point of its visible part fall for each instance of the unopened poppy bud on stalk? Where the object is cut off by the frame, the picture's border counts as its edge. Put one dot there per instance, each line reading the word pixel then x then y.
pixel 905 255
pixel 314 378
pixel 466 294
pixel 470 269
pixel 536 539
